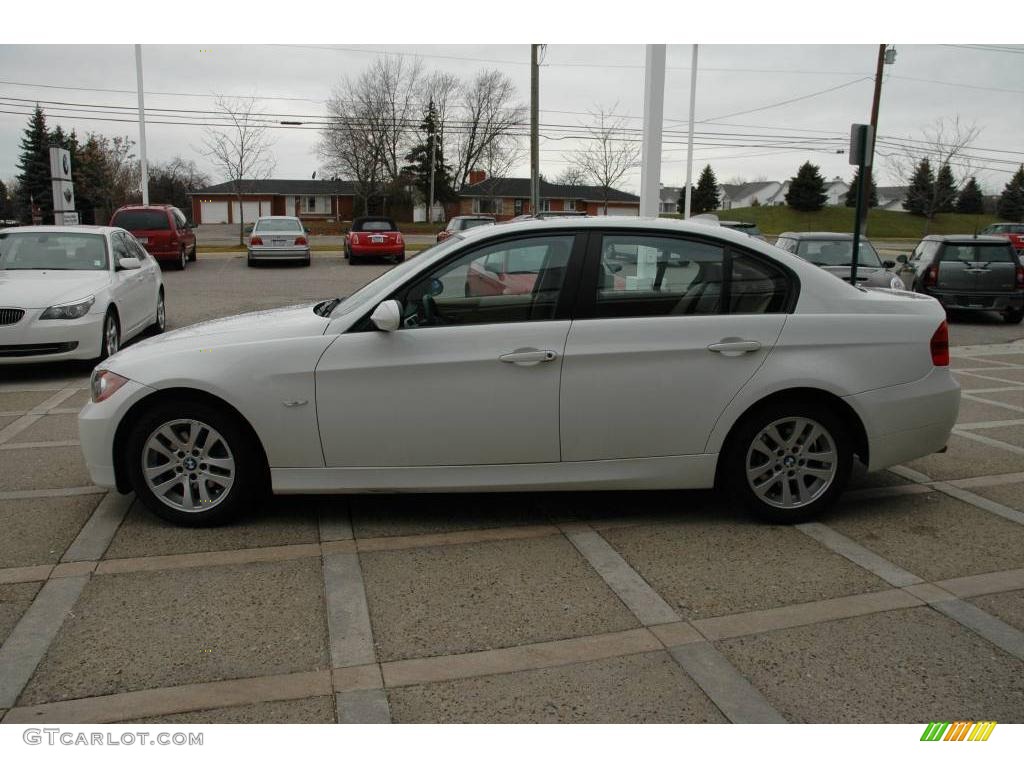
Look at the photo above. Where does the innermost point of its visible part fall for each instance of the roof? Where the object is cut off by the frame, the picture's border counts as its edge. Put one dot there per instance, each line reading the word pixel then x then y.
pixel 137 206
pixel 819 235
pixel 736 191
pixel 503 186
pixel 90 229
pixel 1001 239
pixel 282 187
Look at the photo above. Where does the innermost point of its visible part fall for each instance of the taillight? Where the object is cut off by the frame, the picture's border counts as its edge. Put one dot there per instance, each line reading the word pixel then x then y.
pixel 931 276
pixel 940 345
pixel 399 240
pixel 255 240
pixel 300 240
pixel 355 239
pixel 1020 276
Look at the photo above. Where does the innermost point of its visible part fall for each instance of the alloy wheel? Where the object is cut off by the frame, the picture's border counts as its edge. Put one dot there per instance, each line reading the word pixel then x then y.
pixel 188 465
pixel 111 336
pixel 791 462
pixel 161 313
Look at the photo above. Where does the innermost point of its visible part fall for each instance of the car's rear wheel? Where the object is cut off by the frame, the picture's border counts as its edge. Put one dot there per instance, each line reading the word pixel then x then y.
pixel 193 464
pixel 353 259
pixel 1013 316
pixel 182 259
pixel 788 462
pixel 192 253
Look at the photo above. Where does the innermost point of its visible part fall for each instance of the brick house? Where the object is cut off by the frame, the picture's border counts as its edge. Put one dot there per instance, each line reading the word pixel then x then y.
pixel 506 198
pixel 309 199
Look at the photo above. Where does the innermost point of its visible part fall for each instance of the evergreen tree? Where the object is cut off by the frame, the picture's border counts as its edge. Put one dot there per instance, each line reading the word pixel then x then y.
pixel 419 159
pixel 34 169
pixel 5 206
pixel 970 199
pixel 854 190
pixel 806 189
pixel 921 190
pixel 705 194
pixel 1011 201
pixel 944 198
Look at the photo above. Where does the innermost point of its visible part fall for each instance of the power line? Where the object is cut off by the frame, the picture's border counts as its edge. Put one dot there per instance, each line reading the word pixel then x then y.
pixel 992 48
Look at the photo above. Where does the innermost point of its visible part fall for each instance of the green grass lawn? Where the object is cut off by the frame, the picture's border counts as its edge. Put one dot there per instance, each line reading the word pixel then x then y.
pixel 881 224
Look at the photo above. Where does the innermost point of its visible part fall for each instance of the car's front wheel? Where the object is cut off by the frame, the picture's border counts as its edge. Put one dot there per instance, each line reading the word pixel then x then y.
pixel 788 462
pixel 193 464
pixel 111 340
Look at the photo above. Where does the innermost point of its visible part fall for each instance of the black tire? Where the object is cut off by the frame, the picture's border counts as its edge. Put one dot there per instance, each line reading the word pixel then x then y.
pixel 249 481
pixel 182 261
pixel 109 346
pixel 192 255
pixel 249 261
pixel 308 261
pixel 740 448
pixel 353 259
pixel 160 324
pixel 1013 316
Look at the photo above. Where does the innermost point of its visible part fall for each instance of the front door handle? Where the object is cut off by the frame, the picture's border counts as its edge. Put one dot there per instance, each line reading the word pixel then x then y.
pixel 528 356
pixel 734 347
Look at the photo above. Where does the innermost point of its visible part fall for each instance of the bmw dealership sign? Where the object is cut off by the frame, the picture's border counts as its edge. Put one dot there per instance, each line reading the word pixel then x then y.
pixel 63 190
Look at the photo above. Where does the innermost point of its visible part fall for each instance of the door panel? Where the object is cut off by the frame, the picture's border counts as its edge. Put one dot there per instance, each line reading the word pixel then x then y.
pixel 638 387
pixel 440 396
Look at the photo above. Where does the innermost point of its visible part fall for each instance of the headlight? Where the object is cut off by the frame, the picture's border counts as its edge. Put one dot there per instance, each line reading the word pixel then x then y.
pixel 105 383
pixel 896 284
pixel 71 311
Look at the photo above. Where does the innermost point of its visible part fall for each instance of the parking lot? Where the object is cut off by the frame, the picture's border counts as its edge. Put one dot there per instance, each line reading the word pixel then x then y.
pixel 905 604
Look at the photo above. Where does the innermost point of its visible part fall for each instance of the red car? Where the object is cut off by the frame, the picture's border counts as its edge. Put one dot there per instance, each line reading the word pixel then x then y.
pixel 1015 233
pixel 374 237
pixel 163 230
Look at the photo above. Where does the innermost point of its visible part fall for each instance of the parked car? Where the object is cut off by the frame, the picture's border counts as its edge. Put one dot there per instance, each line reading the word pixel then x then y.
pixel 833 252
pixel 746 227
pixel 1015 233
pixel 278 238
pixel 747 369
pixel 462 223
pixel 74 293
pixel 163 230
pixel 968 272
pixel 374 237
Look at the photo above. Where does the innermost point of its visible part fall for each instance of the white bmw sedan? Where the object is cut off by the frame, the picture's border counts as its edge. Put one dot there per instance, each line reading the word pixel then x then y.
pixel 549 355
pixel 74 293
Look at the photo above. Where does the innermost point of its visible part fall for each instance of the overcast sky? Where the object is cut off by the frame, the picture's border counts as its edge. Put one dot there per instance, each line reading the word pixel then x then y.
pixel 732 79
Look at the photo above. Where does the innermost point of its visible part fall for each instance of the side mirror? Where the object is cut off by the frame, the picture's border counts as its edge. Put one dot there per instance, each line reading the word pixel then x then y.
pixel 888 264
pixel 128 262
pixel 902 258
pixel 387 316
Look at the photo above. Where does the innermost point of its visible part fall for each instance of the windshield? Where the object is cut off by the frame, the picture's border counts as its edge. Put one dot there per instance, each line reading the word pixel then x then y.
pixel 465 224
pixel 393 277
pixel 278 225
pixel 52 250
pixel 837 253
pixel 374 225
pixel 136 220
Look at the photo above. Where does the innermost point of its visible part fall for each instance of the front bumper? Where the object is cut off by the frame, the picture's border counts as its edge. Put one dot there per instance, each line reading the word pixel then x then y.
pixel 97 425
pixel 908 421
pixel 31 340
pixel 279 253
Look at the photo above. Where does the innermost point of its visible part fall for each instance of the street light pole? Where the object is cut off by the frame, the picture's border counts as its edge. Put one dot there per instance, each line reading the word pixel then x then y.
pixel 534 129
pixel 142 126
pixel 689 141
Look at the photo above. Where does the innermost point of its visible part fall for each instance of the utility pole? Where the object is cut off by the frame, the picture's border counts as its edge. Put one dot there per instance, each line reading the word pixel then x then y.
pixel 142 126
pixel 534 129
pixel 863 194
pixel 433 161
pixel 689 141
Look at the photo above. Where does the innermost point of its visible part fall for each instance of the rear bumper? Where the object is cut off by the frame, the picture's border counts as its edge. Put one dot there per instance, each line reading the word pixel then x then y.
pixel 379 252
pixel 979 301
pixel 908 421
pixel 279 253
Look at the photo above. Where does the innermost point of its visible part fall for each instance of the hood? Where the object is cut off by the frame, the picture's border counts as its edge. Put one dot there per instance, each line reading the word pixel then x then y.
pixel 263 325
pixel 41 288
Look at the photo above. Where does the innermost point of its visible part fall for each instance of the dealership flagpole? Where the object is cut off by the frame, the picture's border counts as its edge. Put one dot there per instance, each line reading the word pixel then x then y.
pixel 689 141
pixel 142 126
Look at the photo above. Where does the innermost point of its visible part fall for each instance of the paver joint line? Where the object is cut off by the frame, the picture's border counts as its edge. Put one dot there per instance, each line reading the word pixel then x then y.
pixel 349 631
pixel 99 530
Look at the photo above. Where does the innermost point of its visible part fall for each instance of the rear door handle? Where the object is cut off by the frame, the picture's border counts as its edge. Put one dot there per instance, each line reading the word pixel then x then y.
pixel 734 348
pixel 528 356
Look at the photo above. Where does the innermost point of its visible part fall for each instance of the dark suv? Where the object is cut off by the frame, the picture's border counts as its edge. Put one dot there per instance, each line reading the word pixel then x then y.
pixel 163 231
pixel 968 272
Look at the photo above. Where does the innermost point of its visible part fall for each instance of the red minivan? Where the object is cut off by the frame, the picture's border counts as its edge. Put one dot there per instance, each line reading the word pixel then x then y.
pixel 163 230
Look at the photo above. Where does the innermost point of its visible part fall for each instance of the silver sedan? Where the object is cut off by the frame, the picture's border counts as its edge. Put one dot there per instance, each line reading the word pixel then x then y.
pixel 278 237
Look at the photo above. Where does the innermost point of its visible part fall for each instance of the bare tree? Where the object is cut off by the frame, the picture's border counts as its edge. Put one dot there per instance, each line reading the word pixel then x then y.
pixel 351 147
pixel 606 156
pixel 489 111
pixel 240 149
pixel 944 143
pixel 571 176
